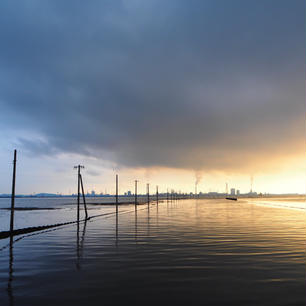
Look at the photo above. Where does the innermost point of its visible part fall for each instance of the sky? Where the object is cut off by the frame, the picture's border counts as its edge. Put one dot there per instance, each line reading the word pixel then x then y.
pixel 165 92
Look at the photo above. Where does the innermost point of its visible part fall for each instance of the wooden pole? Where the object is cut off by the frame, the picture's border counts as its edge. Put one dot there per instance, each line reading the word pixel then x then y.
pixel 116 193
pixel 13 194
pixel 157 195
pixel 83 194
pixel 148 193
pixel 136 194
pixel 79 173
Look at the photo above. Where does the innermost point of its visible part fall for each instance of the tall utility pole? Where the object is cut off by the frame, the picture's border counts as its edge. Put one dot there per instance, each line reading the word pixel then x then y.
pixel 148 193
pixel 157 195
pixel 13 194
pixel 136 193
pixel 116 193
pixel 79 182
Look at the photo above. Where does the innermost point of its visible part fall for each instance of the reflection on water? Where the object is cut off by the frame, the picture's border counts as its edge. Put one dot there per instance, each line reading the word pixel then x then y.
pixel 136 224
pixel 10 278
pixel 42 211
pixel 116 227
pixel 148 221
pixel 80 243
pixel 190 252
pixel 297 202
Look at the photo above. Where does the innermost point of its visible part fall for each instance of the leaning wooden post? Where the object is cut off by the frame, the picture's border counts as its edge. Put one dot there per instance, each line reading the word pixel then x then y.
pixel 83 194
pixel 13 194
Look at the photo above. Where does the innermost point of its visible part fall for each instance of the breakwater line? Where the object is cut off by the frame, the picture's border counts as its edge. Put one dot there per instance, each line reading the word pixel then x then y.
pixel 26 230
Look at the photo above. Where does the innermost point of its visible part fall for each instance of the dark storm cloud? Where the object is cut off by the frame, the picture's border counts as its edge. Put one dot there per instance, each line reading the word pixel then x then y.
pixel 188 84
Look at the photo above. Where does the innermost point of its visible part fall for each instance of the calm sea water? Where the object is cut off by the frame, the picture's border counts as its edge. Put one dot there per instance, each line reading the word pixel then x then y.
pixel 189 252
pixel 53 210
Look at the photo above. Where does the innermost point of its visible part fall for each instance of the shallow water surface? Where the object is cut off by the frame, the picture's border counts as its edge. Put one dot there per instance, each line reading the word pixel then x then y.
pixel 188 252
pixel 44 211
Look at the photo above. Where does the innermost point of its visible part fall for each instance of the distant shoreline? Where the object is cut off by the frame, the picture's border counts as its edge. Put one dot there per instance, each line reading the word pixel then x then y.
pixel 161 195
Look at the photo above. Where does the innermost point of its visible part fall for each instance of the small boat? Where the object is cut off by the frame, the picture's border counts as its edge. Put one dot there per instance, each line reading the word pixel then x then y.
pixel 231 198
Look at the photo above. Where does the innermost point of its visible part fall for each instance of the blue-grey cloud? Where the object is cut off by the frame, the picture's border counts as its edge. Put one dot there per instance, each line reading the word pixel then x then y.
pixel 188 84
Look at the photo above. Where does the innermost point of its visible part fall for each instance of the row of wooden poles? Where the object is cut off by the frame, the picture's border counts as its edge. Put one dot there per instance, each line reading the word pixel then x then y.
pixel 172 196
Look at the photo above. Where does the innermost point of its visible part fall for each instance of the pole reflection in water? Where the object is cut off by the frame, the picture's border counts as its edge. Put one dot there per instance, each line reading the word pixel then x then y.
pixel 10 279
pixel 80 244
pixel 157 214
pixel 116 228
pixel 148 223
pixel 135 224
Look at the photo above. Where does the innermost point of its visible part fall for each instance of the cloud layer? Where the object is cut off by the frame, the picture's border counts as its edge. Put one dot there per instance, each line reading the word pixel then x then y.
pixel 211 85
